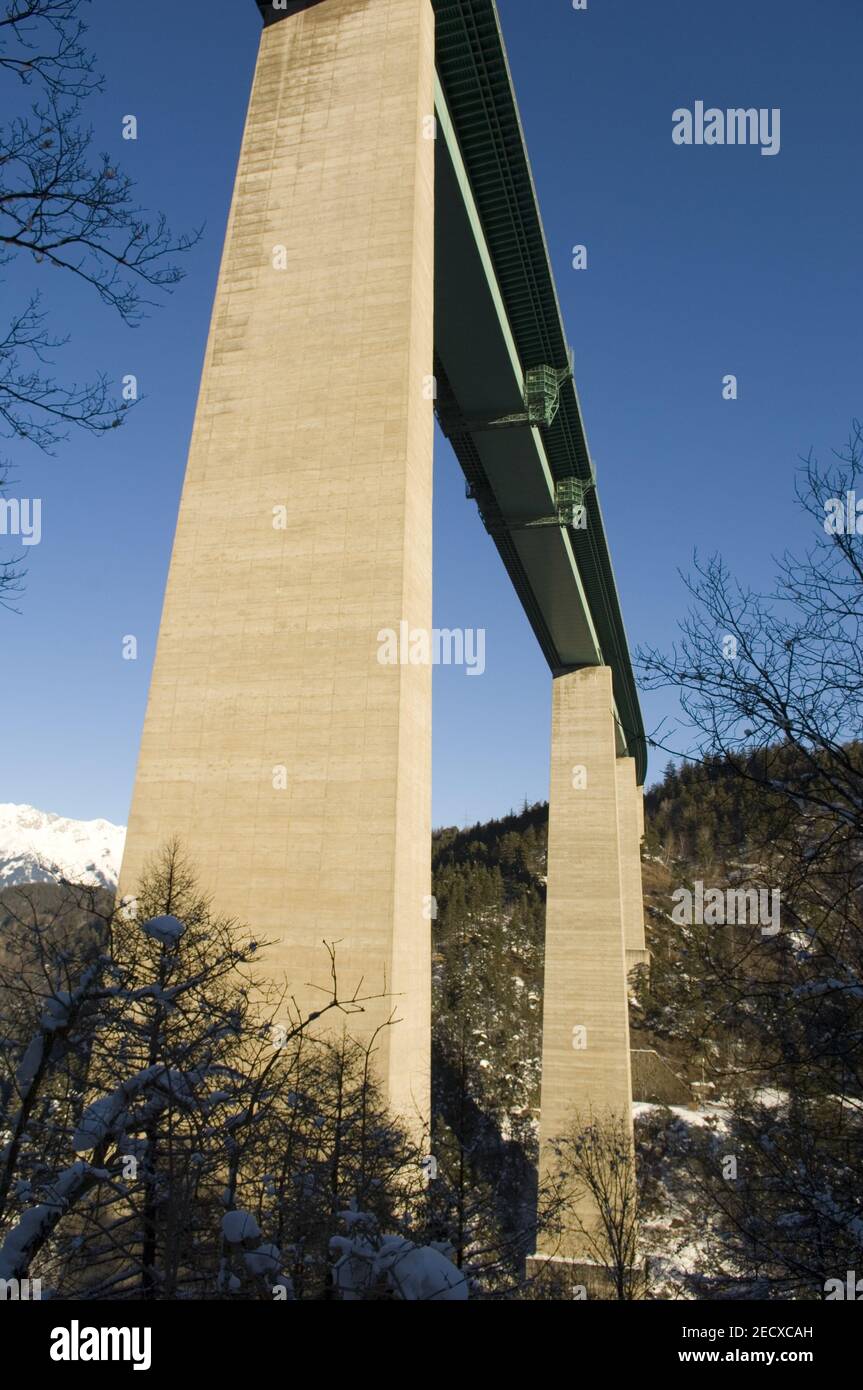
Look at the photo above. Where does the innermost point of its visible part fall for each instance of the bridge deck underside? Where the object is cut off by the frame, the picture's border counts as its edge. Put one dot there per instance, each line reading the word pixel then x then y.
pixel 507 468
pixel 497 316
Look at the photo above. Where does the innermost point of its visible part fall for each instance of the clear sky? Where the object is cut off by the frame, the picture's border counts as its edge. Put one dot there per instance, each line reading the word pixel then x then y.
pixel 702 261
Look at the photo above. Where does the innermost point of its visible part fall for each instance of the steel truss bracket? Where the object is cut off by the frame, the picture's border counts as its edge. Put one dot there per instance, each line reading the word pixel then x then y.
pixel 542 388
pixel 570 498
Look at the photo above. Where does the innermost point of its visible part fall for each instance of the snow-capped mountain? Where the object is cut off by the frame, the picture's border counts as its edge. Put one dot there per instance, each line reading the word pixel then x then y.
pixel 39 847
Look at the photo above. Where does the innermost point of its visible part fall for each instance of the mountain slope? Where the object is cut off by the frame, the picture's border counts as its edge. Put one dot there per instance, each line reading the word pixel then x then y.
pixel 40 847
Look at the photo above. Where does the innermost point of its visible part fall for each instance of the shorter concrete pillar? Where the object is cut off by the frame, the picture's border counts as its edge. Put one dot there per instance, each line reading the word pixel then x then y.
pixel 630 826
pixel 585 1051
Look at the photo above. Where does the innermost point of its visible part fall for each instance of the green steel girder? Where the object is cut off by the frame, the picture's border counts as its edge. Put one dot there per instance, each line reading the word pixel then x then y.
pixel 474 73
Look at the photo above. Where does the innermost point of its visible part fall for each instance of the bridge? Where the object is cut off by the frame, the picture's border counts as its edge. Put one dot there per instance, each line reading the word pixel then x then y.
pixel 498 325
pixel 293 766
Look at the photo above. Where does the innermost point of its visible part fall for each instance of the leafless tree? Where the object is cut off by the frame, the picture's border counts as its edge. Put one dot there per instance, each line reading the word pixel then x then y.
pixel 597 1175
pixel 771 688
pixel 64 208
pixel 148 1082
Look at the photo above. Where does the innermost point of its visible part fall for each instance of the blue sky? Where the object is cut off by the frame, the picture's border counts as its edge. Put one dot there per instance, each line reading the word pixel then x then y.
pixel 701 262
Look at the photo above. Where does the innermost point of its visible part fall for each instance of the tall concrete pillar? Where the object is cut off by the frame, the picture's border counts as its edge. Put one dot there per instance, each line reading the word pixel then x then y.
pixel 293 765
pixel 585 1048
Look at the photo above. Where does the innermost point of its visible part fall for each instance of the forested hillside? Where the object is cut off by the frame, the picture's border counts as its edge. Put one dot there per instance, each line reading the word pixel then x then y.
pixel 748 1174
pixel 753 1188
pixel 487 961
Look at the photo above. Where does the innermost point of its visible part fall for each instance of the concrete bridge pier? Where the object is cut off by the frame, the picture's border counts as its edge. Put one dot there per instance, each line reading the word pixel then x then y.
pixel 292 764
pixel 594 924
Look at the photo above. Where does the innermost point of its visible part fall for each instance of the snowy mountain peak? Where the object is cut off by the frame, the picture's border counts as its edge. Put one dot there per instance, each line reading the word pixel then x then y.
pixel 41 847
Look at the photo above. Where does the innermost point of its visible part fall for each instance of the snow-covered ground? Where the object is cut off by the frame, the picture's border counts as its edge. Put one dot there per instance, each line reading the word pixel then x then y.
pixel 675 1239
pixel 40 847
